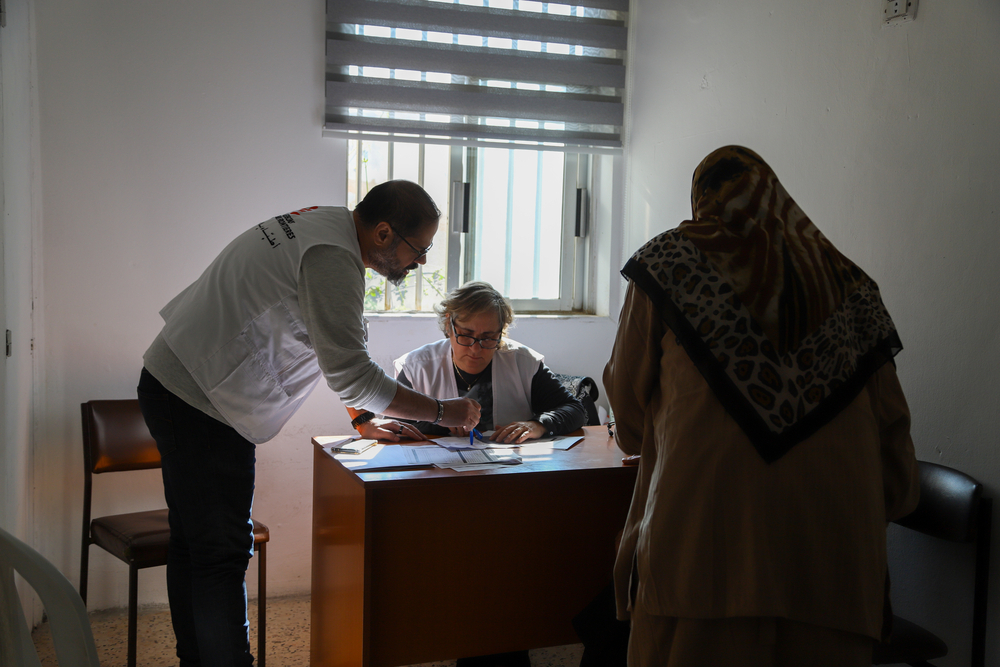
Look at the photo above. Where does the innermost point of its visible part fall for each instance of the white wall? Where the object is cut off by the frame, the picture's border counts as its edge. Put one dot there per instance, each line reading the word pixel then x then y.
pixel 166 130
pixel 888 138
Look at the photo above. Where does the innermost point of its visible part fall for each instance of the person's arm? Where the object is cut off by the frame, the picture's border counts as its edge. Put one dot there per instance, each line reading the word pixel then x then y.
pixel 558 410
pixel 633 372
pixel 425 427
pixel 900 472
pixel 412 405
pixel 382 429
pixel 331 298
pixel 376 428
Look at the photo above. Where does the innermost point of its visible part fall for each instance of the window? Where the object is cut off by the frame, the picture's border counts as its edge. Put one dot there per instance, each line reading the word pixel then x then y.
pixel 522 233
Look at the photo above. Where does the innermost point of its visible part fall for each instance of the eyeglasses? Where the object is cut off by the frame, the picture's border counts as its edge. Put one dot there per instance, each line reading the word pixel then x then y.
pixel 420 253
pixel 469 341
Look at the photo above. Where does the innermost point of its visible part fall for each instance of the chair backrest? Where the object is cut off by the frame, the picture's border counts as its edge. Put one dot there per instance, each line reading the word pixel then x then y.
pixel 952 507
pixel 949 503
pixel 115 437
pixel 71 633
pixel 585 389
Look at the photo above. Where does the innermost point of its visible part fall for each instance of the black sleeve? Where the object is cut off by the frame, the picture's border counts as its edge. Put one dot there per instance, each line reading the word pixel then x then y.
pixel 427 428
pixel 556 409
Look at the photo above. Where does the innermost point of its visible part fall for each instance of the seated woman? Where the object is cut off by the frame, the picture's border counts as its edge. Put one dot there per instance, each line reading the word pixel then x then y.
pixel 521 399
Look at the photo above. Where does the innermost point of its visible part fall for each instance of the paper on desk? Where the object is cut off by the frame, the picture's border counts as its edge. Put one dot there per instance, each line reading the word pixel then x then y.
pixel 483 466
pixel 445 458
pixel 563 441
pixel 382 457
pixel 498 456
pixel 453 443
pixel 378 456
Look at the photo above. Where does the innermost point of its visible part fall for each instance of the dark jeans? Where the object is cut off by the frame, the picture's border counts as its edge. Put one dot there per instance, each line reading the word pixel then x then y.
pixel 208 480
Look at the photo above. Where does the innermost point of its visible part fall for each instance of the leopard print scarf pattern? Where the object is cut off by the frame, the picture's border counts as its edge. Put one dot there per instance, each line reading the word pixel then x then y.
pixel 780 387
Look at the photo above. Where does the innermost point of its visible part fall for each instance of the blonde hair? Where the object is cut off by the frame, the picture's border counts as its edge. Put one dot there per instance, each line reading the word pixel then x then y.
pixel 471 299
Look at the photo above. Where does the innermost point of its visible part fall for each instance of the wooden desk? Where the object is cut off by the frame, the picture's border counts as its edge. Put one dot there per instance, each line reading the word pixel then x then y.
pixel 422 565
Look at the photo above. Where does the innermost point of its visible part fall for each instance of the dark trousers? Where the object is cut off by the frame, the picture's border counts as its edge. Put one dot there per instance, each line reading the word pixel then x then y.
pixel 208 481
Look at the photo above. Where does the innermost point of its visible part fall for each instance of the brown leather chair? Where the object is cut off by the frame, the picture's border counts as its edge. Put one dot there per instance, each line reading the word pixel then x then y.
pixel 951 508
pixel 115 439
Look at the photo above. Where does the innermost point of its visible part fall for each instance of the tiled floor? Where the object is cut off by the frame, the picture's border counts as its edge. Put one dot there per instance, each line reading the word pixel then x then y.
pixel 287 638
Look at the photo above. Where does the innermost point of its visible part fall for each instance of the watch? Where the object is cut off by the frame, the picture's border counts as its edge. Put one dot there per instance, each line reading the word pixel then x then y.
pixel 363 418
pixel 440 412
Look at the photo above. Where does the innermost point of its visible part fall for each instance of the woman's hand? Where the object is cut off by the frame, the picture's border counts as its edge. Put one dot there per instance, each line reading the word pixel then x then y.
pixel 389 429
pixel 518 432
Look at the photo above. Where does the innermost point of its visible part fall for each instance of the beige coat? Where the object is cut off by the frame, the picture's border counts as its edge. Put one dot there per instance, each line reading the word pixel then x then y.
pixel 716 532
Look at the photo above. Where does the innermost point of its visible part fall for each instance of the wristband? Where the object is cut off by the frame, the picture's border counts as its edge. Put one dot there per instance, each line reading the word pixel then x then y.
pixel 440 412
pixel 363 418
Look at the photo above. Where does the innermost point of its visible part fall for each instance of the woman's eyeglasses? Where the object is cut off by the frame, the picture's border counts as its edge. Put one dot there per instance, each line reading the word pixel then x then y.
pixel 469 341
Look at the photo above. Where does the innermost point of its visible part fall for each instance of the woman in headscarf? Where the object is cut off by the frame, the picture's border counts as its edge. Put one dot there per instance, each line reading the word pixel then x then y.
pixel 753 373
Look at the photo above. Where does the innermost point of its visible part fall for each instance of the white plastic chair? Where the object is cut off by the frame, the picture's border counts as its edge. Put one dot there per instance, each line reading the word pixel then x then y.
pixel 71 634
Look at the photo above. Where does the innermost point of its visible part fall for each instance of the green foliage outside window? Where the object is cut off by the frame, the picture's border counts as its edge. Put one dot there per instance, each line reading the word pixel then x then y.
pixel 401 298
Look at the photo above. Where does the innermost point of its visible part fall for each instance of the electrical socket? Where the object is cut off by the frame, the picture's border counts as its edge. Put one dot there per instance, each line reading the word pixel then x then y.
pixel 899 11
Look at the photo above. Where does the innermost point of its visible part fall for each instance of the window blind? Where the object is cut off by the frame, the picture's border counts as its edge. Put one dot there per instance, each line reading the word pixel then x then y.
pixel 477 72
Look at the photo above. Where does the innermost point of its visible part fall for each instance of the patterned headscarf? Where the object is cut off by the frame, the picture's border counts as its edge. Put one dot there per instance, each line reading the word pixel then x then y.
pixel 785 329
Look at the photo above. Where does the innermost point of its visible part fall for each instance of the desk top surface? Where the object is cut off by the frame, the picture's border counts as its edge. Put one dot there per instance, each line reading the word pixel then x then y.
pixel 597 451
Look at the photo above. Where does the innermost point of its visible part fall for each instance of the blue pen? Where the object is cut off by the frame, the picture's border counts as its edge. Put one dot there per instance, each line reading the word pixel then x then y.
pixel 474 433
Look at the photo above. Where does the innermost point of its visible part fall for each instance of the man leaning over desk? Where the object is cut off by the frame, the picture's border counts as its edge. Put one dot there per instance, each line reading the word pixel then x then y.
pixel 241 349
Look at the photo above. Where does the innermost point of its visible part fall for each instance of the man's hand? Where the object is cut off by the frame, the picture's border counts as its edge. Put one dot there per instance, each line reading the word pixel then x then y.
pixel 518 432
pixel 460 412
pixel 389 429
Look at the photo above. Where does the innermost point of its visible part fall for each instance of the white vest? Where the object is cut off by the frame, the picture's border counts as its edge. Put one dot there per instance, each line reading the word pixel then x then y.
pixel 238 329
pixel 429 368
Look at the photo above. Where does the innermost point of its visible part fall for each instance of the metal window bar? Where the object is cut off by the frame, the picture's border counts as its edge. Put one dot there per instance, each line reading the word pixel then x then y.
pixel 387 303
pixel 472 235
pixel 418 279
pixel 476 238
pixel 536 264
pixel 508 255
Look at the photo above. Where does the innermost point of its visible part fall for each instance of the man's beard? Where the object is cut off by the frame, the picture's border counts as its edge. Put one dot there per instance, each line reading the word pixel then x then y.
pixel 384 263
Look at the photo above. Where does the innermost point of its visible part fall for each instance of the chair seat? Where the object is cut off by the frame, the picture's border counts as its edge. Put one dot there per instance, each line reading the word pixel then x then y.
pixel 261 533
pixel 908 643
pixel 139 537
pixel 142 537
